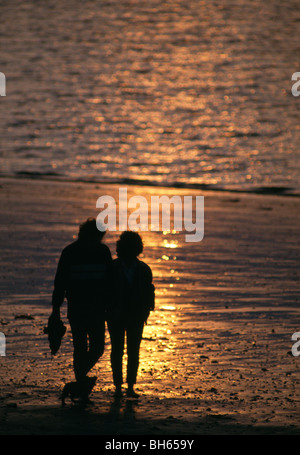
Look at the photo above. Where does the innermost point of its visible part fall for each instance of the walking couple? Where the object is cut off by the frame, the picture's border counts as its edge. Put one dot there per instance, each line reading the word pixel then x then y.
pixel 99 289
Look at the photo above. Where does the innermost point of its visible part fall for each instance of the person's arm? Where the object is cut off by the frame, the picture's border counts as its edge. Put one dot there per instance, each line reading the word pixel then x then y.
pixel 108 285
pixel 59 291
pixel 149 292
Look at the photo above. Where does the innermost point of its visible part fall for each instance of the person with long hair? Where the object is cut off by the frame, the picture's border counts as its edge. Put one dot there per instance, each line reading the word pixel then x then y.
pixel 133 297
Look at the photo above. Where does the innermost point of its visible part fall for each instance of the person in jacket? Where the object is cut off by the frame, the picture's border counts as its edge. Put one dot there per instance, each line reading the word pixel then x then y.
pixel 81 277
pixel 133 296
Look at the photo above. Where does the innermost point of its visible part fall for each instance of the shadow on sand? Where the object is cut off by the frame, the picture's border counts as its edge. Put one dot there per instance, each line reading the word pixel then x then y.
pixel 111 416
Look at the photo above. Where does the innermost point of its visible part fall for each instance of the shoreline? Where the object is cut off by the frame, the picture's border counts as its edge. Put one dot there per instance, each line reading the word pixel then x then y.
pixel 216 354
pixel 260 190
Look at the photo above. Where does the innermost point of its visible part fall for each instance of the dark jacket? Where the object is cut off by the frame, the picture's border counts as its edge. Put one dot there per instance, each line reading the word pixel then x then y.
pixel 82 277
pixel 133 293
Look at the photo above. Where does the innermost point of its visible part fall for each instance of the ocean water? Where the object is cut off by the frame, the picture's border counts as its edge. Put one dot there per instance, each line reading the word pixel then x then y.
pixel 178 93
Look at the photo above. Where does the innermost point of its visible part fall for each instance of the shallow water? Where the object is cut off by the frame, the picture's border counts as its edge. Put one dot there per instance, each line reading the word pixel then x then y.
pixel 171 93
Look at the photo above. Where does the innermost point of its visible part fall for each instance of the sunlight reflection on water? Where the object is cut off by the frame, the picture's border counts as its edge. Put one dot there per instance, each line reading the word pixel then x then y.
pixel 167 92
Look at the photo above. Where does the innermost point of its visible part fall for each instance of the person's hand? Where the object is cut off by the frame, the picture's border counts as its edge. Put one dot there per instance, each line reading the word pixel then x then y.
pixel 146 317
pixel 55 315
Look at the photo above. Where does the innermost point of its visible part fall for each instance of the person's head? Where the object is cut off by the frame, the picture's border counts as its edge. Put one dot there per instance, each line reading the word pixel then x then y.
pixel 129 245
pixel 88 231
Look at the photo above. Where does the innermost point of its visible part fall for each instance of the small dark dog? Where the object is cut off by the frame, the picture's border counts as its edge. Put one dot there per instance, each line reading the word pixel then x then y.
pixel 78 391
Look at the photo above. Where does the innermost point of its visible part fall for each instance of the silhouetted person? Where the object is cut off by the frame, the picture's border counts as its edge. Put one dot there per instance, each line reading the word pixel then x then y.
pixel 133 299
pixel 81 277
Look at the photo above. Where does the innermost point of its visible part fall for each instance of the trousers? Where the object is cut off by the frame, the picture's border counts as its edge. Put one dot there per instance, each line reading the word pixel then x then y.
pixel 88 334
pixel 133 330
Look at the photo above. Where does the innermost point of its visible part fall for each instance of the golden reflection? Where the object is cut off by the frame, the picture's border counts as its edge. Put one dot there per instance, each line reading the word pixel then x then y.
pixel 159 344
pixel 94 100
pixel 170 244
pixel 168 307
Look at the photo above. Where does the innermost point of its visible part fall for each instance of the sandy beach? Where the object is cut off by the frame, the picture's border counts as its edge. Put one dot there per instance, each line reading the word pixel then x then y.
pixel 216 355
pixel 169 98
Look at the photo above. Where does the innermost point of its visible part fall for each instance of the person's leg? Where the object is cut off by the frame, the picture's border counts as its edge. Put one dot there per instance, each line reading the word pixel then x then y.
pixel 134 338
pixel 79 335
pixel 96 336
pixel 117 337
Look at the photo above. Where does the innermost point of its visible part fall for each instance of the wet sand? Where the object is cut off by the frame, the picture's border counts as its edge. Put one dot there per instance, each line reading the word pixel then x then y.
pixel 216 354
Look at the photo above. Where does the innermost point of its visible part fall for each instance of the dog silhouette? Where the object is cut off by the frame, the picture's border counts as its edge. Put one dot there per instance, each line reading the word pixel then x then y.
pixel 78 391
